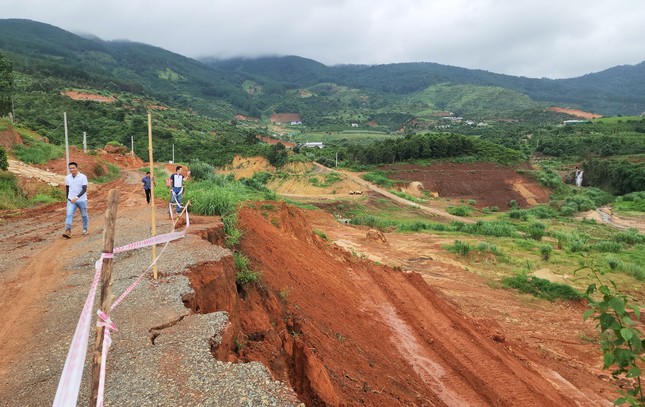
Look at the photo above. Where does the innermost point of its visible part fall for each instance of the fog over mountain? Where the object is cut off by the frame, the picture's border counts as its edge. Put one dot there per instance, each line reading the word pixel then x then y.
pixel 551 38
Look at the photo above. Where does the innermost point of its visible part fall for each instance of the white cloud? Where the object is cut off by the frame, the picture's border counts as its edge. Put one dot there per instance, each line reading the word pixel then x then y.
pixel 549 38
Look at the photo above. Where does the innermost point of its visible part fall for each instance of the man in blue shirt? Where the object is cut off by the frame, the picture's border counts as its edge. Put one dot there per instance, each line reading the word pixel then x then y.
pixel 147 185
pixel 76 188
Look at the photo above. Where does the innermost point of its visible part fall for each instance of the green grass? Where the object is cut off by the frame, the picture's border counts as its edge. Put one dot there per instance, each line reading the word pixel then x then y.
pixel 12 197
pixel 328 180
pixel 37 152
pixel 634 202
pixel 378 178
pixel 541 288
pixel 244 274
pixel 461 210
pixel 113 173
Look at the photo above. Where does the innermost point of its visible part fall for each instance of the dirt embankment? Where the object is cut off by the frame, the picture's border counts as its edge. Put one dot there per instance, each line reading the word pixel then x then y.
pixel 345 331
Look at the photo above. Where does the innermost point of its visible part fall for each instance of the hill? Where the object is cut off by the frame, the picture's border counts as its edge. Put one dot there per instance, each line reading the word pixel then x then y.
pixel 263 86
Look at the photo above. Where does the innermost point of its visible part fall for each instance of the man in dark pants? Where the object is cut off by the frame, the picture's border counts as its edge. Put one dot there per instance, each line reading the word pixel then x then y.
pixel 147 185
pixel 176 188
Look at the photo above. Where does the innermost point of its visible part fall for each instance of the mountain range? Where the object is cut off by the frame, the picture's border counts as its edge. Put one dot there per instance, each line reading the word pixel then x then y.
pixel 323 95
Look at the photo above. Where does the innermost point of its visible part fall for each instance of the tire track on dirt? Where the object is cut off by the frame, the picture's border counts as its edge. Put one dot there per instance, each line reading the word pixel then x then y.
pixel 448 352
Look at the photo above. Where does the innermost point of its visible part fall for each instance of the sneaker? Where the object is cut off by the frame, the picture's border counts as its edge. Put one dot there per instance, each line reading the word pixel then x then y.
pixel 84 231
pixel 67 234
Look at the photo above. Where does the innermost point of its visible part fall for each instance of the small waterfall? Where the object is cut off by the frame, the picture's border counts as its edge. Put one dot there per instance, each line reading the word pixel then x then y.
pixel 578 178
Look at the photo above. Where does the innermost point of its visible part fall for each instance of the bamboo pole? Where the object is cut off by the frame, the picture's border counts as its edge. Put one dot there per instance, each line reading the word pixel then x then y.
pixel 106 287
pixel 152 195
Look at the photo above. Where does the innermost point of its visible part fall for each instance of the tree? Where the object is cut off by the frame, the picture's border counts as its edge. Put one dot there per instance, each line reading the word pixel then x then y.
pixel 6 85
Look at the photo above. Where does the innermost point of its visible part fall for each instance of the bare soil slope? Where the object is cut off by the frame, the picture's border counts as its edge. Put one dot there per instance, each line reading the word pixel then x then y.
pixel 347 331
pixel 489 184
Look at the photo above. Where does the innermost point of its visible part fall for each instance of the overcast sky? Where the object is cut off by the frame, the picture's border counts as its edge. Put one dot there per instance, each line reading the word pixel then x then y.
pixel 534 38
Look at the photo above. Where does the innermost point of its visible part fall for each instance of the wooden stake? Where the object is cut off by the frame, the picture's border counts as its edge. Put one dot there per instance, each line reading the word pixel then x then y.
pixel 152 195
pixel 106 287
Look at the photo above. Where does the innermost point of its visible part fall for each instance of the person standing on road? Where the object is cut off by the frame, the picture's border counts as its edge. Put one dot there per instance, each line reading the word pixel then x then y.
pixel 147 185
pixel 176 188
pixel 76 192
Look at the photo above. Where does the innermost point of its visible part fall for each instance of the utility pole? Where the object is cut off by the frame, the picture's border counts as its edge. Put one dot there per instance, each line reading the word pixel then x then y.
pixel 152 194
pixel 173 153
pixel 132 144
pixel 85 142
pixel 66 143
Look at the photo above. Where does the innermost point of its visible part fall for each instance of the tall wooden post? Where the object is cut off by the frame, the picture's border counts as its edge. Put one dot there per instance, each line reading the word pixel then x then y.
pixel 152 195
pixel 106 287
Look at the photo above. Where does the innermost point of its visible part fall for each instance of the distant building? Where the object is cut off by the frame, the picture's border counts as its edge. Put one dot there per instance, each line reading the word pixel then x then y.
pixel 295 123
pixel 572 122
pixel 354 124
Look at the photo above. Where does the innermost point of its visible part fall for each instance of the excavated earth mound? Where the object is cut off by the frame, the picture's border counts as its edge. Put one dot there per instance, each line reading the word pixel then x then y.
pixel 343 330
pixel 488 184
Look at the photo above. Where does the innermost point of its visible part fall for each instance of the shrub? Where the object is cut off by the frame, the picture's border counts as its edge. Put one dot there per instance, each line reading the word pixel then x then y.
pixel 613 263
pixel 497 229
pixel 568 209
pixel 536 231
pixel 541 288
pixel 630 236
pixel 578 245
pixel 461 210
pixel 519 214
pixel 543 212
pixel 545 251
pixel 200 170
pixel 607 247
pixel 460 247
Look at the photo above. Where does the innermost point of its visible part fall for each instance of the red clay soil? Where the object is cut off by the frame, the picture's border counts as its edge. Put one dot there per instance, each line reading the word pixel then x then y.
pixel 88 96
pixel 347 331
pixel 574 112
pixel 488 184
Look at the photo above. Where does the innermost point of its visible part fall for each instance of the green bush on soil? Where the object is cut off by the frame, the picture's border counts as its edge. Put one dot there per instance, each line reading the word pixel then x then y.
pixel 541 288
pixel 11 197
pixel 37 152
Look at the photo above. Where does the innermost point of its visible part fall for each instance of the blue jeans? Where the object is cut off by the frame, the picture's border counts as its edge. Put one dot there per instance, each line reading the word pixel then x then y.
pixel 71 208
pixel 176 194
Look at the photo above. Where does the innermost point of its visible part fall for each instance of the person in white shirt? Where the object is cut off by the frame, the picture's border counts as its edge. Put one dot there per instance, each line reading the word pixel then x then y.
pixel 176 188
pixel 76 188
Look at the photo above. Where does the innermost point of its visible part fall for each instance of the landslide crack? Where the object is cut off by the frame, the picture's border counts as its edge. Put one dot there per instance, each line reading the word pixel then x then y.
pixel 156 330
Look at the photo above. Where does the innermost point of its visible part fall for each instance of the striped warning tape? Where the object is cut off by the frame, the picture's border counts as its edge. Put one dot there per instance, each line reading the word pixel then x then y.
pixel 70 380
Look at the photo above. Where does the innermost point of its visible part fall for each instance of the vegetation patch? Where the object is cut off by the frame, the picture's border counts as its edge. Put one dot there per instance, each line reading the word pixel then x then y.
pixel 541 288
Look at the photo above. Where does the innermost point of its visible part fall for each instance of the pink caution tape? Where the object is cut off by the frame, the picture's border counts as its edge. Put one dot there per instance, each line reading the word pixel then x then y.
pixel 70 380
pixel 104 321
